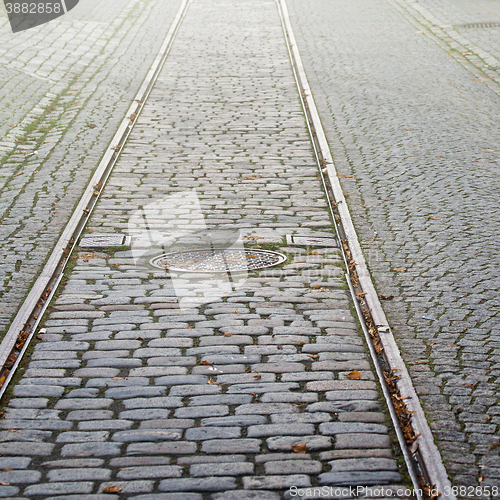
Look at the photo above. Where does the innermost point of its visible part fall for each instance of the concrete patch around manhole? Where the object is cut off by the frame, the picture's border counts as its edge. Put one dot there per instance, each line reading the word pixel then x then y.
pixel 218 260
pixel 311 241
pixel 104 240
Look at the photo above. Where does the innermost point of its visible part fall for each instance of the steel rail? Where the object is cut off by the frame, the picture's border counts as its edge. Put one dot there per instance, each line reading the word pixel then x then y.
pixel 427 456
pixel 24 325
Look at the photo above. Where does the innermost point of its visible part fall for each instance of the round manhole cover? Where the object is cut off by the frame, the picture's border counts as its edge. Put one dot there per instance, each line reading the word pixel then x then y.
pixel 218 260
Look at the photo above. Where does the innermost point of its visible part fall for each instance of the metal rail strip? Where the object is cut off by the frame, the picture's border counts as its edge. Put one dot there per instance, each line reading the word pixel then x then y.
pixel 427 455
pixel 24 325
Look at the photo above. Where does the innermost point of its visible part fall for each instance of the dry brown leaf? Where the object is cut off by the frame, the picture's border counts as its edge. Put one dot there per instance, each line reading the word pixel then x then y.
pixel 124 468
pixel 480 480
pixel 313 252
pixel 299 448
pixel 117 378
pixel 139 338
pixel 257 376
pixel 236 311
pixel 13 430
pixel 423 362
pixel 344 176
pixel 228 335
pixel 112 488
pixel 411 412
pixel 190 327
pixel 4 484
pixel 5 470
pixel 386 297
pixel 354 375
pixel 494 445
pixel 212 382
pixel 429 217
pixel 206 363
pixel 299 342
pixel 313 356
pixel 400 269
pixel 248 370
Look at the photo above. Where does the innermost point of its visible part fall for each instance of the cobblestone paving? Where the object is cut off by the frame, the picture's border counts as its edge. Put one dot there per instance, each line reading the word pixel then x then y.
pixel 168 386
pixel 419 133
pixel 64 87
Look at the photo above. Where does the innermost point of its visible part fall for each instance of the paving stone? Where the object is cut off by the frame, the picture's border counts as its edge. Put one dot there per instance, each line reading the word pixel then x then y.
pixel 143 435
pixel 203 484
pixel 90 449
pixel 29 449
pixel 364 440
pixel 231 446
pixel 312 442
pixel 150 472
pixel 293 467
pixel 276 482
pixel 177 448
pixel 77 474
pixel 353 478
pixel 221 469
pixel 59 488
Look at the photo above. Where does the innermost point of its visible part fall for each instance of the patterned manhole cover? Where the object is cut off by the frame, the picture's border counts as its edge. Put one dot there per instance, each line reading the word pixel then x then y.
pixel 218 260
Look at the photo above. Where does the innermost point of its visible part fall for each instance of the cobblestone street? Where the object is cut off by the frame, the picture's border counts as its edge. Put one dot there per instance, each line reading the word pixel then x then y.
pixel 151 384
pixel 408 93
pixel 64 88
pixel 166 366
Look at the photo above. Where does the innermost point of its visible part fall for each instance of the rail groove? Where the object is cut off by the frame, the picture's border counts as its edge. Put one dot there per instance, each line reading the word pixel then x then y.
pixel 422 456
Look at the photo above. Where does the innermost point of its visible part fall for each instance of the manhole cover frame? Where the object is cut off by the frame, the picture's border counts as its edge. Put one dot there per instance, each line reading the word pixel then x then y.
pixel 247 251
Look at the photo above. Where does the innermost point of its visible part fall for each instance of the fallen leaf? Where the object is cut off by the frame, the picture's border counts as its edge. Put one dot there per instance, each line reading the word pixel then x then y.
pixel 206 363
pixel 386 297
pixel 257 376
pixel 354 375
pixel 4 484
pixel 480 480
pixel 236 311
pixel 112 488
pixel 299 448
pixel 5 470
pixel 228 335
pixel 299 342
pixel 313 356
pixel 400 269
pixel 422 362
pixel 212 382
pixel 248 370
pixel 139 338
pixel 190 327
pixel 313 252
pixel 411 412
pixel 432 218
pixel 124 468
pixel 344 176
pixel 117 378
pixel 494 445
pixel 13 430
